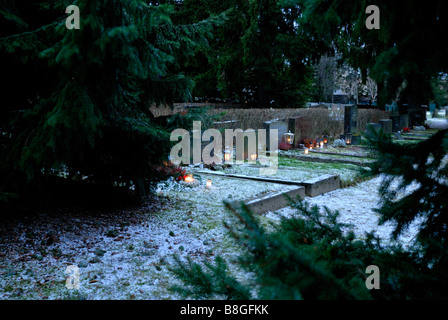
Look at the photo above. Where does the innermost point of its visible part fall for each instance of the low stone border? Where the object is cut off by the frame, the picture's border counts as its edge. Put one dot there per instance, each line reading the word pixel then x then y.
pixel 313 187
pixel 320 185
pixel 310 158
pixel 341 154
pixel 273 201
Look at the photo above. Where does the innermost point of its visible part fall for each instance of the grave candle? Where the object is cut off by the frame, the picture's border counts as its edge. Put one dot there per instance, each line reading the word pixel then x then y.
pixel 189 178
pixel 253 157
pixel 208 184
pixel 321 144
pixel 306 151
pixel 227 155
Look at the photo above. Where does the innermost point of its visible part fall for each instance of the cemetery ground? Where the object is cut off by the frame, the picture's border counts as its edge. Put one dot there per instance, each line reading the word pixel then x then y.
pixel 123 254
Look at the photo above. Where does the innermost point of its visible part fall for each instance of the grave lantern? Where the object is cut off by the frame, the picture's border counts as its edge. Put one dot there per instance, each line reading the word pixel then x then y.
pixel 189 178
pixel 348 138
pixel 289 137
pixel 253 157
pixel 321 144
pixel 306 151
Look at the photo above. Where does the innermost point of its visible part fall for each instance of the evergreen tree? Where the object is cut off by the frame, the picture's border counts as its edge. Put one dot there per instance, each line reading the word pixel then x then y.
pixel 257 56
pixel 77 101
pixel 408 50
pixel 310 256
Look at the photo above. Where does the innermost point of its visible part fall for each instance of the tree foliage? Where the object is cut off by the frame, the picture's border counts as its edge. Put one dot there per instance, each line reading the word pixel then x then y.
pixel 309 255
pixel 257 56
pixel 409 48
pixel 77 101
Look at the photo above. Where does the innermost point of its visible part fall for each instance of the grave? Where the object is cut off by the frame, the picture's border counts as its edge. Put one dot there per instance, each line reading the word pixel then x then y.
pixel 386 125
pixel 350 118
pixel 282 128
pixel 417 116
pixel 372 126
pixel 301 127
pixel 273 201
pixel 432 109
pixel 320 185
pixel 398 136
pixel 404 121
pixel 395 123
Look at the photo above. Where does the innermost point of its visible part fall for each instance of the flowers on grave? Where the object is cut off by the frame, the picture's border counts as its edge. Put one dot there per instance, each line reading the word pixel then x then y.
pixel 169 170
pixel 309 143
pixel 284 146
pixel 406 129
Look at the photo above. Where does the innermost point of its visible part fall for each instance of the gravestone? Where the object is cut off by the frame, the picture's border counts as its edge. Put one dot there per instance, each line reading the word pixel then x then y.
pixel 301 127
pixel 282 128
pixel 417 116
pixel 432 109
pixel 442 113
pixel 398 136
pixel 386 124
pixel 372 126
pixel 350 118
pixel 404 121
pixel 395 123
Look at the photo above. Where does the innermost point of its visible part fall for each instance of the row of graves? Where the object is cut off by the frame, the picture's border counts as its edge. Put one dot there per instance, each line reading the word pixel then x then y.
pixel 296 143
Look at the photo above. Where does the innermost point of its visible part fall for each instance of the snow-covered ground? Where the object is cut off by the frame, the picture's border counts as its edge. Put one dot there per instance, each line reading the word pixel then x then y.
pixel 437 123
pixel 355 205
pixel 121 255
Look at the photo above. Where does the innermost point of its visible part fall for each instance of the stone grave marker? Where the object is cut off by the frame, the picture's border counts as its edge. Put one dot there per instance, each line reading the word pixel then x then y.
pixel 404 121
pixel 386 124
pixel 372 126
pixel 282 128
pixel 417 116
pixel 350 118
pixel 301 127
pixel 395 123
pixel 398 136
